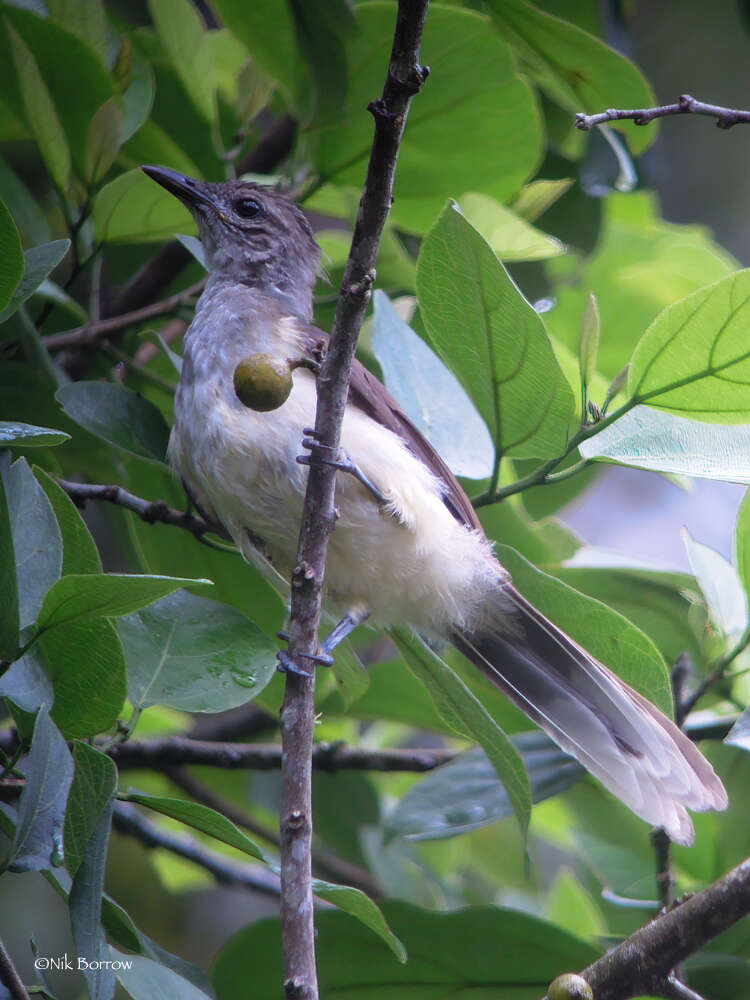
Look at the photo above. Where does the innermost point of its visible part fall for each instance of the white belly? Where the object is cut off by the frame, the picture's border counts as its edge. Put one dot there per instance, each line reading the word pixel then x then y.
pixel 414 564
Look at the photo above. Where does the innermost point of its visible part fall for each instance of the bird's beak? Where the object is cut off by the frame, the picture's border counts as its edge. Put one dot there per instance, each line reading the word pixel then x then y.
pixel 190 191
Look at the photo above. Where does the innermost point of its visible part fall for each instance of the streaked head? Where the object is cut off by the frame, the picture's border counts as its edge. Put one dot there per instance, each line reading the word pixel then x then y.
pixel 250 234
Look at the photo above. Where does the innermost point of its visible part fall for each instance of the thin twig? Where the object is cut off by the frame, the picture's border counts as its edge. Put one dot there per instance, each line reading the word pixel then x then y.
pixel 81 336
pixel 687 105
pixel 128 820
pixel 716 674
pixel 642 964
pixel 176 751
pixel 9 976
pixel 405 78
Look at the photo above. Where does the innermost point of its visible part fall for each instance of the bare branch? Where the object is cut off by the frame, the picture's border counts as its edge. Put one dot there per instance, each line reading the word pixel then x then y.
pixel 405 79
pixel 9 976
pixel 687 105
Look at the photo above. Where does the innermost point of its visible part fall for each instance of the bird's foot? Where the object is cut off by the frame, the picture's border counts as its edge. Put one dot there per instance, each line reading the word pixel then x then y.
pixel 286 665
pixel 339 460
pixel 337 634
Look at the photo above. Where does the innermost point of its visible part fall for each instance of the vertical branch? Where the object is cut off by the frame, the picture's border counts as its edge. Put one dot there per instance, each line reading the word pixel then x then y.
pixel 405 79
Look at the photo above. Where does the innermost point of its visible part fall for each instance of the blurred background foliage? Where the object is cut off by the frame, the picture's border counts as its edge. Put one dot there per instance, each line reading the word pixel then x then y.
pixel 89 91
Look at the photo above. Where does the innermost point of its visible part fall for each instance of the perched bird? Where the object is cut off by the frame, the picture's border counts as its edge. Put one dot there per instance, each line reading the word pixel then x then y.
pixel 407 546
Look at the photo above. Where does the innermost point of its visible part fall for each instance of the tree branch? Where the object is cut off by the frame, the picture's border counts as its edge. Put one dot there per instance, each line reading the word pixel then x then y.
pixel 9 976
pixel 687 105
pixel 405 79
pixel 642 964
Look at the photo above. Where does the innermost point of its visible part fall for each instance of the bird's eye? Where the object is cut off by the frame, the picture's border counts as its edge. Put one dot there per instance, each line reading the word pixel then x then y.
pixel 247 208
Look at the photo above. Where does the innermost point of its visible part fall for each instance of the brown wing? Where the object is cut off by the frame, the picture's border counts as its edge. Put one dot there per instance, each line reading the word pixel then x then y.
pixel 368 394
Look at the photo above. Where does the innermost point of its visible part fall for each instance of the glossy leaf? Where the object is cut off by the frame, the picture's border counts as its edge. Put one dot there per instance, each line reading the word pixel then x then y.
pixel 467 716
pixel 40 113
pixel 132 209
pixel 576 69
pixel 533 952
pixel 612 639
pixel 474 91
pixel 665 442
pixel 487 333
pixel 103 141
pixel 79 598
pixel 180 29
pixel 80 554
pixel 430 394
pixel 28 436
pixel 466 795
pixel 38 842
pixel 721 586
pixel 694 358
pixel 510 236
pixel 117 415
pixel 195 655
pixel 39 262
pixel 37 542
pixel 11 255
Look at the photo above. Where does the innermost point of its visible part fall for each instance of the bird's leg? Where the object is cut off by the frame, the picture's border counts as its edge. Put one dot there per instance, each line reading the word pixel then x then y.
pixel 338 633
pixel 340 461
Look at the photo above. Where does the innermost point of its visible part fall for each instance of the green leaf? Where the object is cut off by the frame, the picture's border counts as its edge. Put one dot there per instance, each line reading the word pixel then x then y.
pixel 577 70
pixel 511 237
pixel 39 264
pixel 117 415
pixel 37 541
pixel 26 682
pixel 146 979
pixel 694 358
pixel 79 598
pixel 535 198
pixel 474 91
pixel 94 785
pixel 103 141
pixel 11 255
pixel 358 905
pixel 588 346
pixel 721 586
pixel 570 907
pixel 533 952
pixel 466 795
pixel 742 541
pixel 138 97
pixel 651 439
pixel 80 554
pixel 9 618
pixel 87 19
pixel 182 34
pixel 26 211
pixel 94 820
pixel 38 843
pixel 28 436
pixel 468 717
pixel 430 394
pixel 86 663
pixel 612 639
pixel 492 339
pixel 132 209
pixel 195 655
pixel 40 113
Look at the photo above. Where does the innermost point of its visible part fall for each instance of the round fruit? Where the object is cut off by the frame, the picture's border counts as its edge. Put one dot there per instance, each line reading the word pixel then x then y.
pixel 569 986
pixel 263 382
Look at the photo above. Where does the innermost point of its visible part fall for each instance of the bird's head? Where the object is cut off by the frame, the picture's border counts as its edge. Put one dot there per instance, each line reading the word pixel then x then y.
pixel 250 233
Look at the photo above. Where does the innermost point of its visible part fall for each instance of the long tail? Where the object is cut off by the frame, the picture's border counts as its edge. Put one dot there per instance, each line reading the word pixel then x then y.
pixel 619 736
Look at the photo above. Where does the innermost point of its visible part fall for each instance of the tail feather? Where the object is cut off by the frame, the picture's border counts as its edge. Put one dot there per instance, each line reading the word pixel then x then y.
pixel 619 736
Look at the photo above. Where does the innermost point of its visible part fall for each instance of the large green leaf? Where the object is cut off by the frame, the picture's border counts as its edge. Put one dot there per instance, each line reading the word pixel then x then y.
pixel 456 954
pixel 466 795
pixel 132 209
pixel 38 842
pixel 39 262
pixel 79 598
pixel 648 438
pixel 474 92
pixel 608 636
pixel 510 236
pixel 103 140
pixel 87 19
pixel 576 69
pixel 40 113
pixel 80 554
pixel 182 34
pixel 492 339
pixel 117 415
pixel 195 655
pixel 467 716
pixel 94 784
pixel 37 542
pixel 11 255
pixel 695 359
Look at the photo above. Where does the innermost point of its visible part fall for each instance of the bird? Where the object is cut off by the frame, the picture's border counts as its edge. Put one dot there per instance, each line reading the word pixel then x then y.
pixel 407 546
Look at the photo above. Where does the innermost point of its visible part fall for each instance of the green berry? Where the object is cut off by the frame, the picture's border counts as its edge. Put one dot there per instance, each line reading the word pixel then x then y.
pixel 569 986
pixel 263 382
